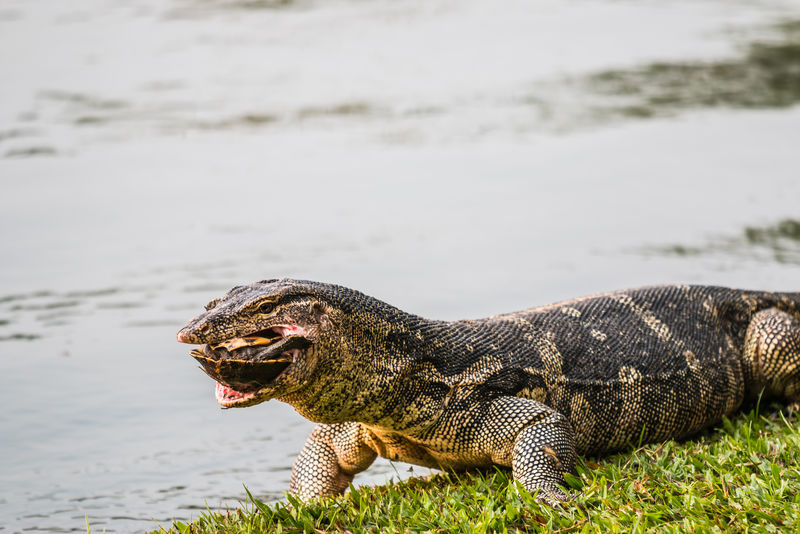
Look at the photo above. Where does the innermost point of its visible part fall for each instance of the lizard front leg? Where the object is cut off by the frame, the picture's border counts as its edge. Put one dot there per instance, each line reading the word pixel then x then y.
pixel 535 441
pixel 331 457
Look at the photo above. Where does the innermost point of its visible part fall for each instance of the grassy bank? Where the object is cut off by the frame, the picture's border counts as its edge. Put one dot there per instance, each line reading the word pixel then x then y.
pixel 744 475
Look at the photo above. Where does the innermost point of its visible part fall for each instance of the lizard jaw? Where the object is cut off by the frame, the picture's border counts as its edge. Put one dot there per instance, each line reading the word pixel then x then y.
pixel 229 397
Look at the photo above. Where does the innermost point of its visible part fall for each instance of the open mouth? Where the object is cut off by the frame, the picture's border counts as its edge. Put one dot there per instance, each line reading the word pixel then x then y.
pixel 243 366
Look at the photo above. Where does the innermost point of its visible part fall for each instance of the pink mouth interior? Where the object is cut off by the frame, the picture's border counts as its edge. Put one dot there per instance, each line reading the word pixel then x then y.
pixel 226 395
pixel 289 330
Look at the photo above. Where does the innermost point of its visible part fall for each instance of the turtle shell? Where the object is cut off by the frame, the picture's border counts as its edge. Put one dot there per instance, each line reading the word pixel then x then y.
pixel 249 368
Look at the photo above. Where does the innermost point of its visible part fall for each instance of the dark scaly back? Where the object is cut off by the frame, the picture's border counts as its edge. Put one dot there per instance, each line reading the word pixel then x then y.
pixel 648 363
pixel 649 329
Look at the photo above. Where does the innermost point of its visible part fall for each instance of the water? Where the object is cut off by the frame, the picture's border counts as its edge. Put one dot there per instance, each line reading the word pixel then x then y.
pixel 452 158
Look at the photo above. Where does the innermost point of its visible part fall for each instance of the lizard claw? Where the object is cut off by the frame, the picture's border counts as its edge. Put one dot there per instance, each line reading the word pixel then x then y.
pixel 553 497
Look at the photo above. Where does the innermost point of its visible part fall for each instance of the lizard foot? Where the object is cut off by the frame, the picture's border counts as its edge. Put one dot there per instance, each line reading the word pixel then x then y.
pixel 552 496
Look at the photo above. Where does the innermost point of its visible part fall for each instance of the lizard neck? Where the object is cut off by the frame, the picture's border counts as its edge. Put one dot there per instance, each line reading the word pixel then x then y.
pixel 389 379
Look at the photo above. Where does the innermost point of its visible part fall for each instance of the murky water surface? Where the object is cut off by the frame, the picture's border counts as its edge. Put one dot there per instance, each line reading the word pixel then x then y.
pixel 452 158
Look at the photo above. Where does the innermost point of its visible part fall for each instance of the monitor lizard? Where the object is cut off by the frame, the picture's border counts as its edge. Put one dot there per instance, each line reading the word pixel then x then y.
pixel 527 390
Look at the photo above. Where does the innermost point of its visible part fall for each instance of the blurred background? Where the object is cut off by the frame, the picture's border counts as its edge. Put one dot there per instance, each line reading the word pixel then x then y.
pixel 456 158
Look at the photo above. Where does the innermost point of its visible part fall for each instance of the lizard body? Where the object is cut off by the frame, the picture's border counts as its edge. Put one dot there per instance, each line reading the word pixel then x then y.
pixel 527 390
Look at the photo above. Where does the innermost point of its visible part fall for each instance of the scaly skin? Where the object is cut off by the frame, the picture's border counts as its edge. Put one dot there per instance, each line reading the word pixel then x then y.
pixel 527 390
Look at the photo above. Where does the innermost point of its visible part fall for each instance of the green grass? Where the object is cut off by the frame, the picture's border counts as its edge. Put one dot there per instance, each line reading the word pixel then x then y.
pixel 742 476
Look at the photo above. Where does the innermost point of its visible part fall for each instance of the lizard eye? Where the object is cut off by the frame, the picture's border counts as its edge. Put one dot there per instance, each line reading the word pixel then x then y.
pixel 266 308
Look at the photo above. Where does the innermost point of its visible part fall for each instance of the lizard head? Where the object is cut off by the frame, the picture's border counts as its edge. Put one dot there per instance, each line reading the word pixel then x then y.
pixel 287 339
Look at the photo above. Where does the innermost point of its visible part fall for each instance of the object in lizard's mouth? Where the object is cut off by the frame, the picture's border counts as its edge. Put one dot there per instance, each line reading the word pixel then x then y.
pixel 266 338
pixel 244 365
